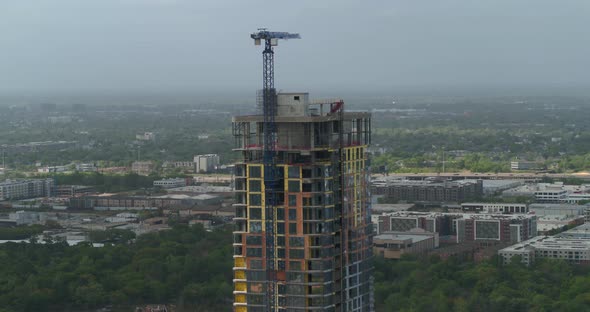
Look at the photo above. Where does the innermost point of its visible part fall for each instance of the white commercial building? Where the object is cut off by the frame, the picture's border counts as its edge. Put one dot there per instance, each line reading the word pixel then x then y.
pixel 170 183
pixel 572 246
pixel 22 189
pixel 552 192
pixel 206 163
pixel 553 247
pixel 525 165
pixel 51 169
pixel 86 167
pixel 541 209
pixel 27 217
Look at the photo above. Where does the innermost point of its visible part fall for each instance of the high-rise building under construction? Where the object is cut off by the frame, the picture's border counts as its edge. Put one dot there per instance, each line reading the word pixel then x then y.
pixel 320 222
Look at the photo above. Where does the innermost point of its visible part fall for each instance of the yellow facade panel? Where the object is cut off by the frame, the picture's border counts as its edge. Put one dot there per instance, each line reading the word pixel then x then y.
pixel 241 309
pixel 240 275
pixel 240 298
pixel 240 286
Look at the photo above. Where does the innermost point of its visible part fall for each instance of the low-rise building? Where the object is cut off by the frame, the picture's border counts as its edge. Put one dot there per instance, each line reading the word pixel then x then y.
pixel 574 198
pixel 428 190
pixel 201 189
pixel 186 166
pixel 557 192
pixel 572 245
pixel 494 187
pixel 170 183
pixel 463 226
pixel 67 191
pixel 53 169
pixel 525 165
pixel 26 188
pixel 122 217
pixel 503 208
pixel 111 170
pixel 576 250
pixel 392 245
pixel 142 167
pixel 27 217
pixel 206 163
pixel 86 167
pixel 116 202
pixel 548 223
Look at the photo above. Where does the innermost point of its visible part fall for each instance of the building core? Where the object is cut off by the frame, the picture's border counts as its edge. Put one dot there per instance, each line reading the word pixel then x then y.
pixel 322 218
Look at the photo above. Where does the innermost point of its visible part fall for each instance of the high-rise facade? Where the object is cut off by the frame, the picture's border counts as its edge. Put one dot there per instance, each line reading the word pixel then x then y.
pixel 321 223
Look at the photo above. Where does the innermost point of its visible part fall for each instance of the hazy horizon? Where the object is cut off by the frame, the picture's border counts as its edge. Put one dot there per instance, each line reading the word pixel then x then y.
pixel 164 46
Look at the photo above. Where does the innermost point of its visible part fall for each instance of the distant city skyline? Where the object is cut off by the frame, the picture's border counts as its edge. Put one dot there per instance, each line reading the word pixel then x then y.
pixel 152 46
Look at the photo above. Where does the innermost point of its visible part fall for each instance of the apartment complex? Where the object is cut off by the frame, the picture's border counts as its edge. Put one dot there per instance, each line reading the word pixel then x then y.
pixel 572 246
pixel 463 227
pixel 430 190
pixel 321 220
pixel 22 189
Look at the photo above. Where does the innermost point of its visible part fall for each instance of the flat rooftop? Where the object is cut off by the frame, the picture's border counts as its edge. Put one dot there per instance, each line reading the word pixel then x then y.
pixel 474 216
pixel 550 242
pixel 402 237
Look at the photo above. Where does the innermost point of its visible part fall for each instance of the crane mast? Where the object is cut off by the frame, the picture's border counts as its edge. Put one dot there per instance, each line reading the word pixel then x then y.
pixel 271 185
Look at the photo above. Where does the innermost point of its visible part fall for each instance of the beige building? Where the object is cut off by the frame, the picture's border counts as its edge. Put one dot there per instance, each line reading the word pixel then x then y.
pixel 142 167
pixel 392 245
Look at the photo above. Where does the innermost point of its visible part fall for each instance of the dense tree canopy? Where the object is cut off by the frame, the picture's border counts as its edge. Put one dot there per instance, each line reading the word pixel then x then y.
pixel 413 284
pixel 186 266
pixel 192 268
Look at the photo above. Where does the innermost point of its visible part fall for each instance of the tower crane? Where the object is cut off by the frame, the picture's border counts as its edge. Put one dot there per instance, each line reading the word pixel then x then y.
pixel 271 181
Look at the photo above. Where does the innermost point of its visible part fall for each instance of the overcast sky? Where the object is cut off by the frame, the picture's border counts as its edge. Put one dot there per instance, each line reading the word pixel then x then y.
pixel 203 45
